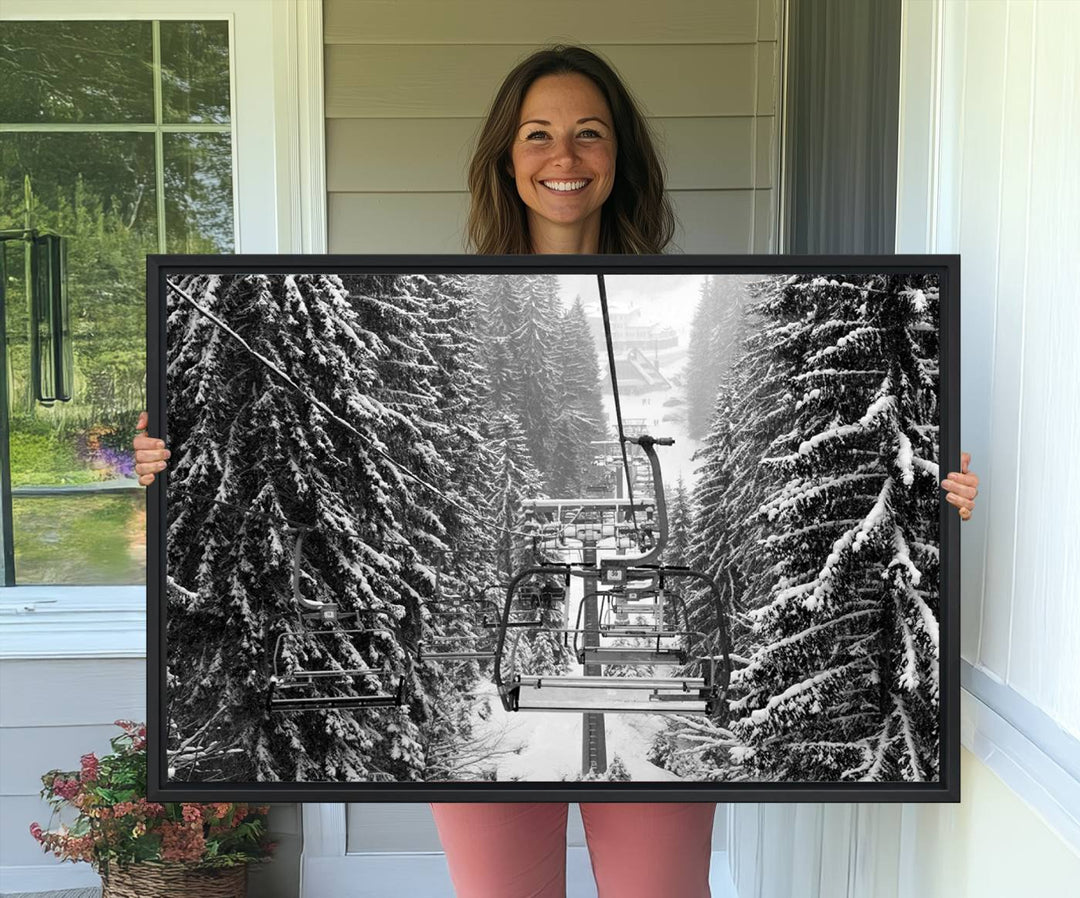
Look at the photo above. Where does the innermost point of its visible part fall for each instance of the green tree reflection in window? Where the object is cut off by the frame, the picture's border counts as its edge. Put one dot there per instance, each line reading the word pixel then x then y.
pixel 125 132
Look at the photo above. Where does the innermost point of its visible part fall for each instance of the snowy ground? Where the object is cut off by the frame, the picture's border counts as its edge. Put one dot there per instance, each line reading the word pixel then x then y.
pixel 547 745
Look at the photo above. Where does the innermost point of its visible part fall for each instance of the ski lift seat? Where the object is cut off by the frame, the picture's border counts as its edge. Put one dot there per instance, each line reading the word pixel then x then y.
pixel 623 695
pixel 639 630
pixel 541 595
pixel 335 702
pixel 439 656
pixel 636 607
pixel 314 702
pixel 630 655
pixel 453 648
pixel 304 689
pixel 302 676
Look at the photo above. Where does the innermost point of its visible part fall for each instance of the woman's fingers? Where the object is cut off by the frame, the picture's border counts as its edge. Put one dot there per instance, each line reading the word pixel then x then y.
pixel 150 452
pixel 966 485
pixel 962 487
pixel 960 501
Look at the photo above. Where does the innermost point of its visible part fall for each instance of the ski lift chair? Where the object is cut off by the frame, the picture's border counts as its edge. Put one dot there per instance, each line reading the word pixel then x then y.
pixel 544 594
pixel 317 688
pixel 660 637
pixel 703 693
pixel 462 646
pixel 649 695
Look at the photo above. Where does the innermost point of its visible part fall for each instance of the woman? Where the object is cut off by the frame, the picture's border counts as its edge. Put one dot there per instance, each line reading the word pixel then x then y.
pixel 565 164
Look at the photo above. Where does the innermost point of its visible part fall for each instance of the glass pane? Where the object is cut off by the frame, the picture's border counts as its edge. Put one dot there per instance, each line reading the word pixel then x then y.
pixel 97 190
pixel 198 193
pixel 76 72
pixel 195 71
pixel 81 540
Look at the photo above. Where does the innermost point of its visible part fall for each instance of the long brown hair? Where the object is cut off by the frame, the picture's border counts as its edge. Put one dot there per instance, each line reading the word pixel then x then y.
pixel 637 216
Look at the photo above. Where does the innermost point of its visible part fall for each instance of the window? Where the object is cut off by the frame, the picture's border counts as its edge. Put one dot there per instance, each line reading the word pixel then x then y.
pixel 118 136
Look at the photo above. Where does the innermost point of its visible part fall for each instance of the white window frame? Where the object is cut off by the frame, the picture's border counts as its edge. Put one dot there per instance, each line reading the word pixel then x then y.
pixel 279 200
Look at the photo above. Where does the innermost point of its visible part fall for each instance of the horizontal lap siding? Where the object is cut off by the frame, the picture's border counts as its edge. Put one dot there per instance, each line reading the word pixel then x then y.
pixel 408 83
pixel 53 712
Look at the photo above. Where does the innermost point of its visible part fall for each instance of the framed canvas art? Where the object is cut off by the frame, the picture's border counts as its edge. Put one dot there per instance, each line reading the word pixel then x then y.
pixel 626 528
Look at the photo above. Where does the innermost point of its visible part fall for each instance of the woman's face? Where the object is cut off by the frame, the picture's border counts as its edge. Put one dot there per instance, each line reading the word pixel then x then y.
pixel 563 154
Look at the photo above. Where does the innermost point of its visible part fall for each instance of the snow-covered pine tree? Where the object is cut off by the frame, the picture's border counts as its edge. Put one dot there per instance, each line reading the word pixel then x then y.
pixel 725 537
pixel 515 479
pixel 616 772
pixel 240 435
pixel 499 316
pixel 579 418
pixel 535 353
pixel 465 564
pixel 844 685
pixel 695 748
pixel 715 338
pixel 680 526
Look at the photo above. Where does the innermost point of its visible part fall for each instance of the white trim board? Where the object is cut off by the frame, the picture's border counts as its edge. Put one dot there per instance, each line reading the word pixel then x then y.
pixel 41 622
pixel 1049 788
pixel 48 878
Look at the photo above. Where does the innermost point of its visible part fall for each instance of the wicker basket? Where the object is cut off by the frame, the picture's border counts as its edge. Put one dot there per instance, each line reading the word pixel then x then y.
pixel 148 880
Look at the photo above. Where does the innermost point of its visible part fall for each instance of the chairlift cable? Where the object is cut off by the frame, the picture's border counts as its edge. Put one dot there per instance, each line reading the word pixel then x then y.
pixel 618 406
pixel 335 417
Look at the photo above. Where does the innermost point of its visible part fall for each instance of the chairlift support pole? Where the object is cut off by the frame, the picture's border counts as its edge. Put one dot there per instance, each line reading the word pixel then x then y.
pixel 593 735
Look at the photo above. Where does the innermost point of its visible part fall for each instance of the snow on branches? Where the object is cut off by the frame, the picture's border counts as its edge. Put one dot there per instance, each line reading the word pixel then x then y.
pixel 845 625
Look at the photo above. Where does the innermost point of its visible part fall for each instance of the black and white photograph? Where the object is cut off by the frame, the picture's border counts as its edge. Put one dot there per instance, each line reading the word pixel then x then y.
pixel 673 528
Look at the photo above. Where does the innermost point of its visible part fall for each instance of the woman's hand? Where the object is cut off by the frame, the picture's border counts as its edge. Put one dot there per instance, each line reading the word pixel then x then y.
pixel 150 453
pixel 962 487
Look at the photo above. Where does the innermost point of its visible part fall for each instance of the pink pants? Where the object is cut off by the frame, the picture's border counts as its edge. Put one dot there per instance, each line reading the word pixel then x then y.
pixel 646 850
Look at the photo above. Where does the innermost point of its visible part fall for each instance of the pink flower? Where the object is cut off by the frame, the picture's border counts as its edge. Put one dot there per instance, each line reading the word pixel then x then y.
pixel 66 789
pixel 89 768
pixel 181 842
pixel 150 808
pixel 123 808
pixel 36 831
pixel 192 813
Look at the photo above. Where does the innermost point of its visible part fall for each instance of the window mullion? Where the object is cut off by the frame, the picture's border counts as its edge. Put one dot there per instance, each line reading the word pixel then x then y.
pixel 159 136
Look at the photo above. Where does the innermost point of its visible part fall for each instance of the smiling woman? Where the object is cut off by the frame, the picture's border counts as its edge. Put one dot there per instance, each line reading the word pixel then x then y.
pixel 561 117
pixel 564 165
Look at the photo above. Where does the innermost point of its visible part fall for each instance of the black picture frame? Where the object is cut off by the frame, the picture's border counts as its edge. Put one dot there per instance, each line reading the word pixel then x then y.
pixel 946 789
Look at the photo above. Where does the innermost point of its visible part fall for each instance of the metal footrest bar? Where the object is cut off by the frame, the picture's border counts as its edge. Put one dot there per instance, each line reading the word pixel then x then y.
pixel 321 674
pixel 689 695
pixel 683 684
pixel 630 655
pixel 455 656
pixel 334 702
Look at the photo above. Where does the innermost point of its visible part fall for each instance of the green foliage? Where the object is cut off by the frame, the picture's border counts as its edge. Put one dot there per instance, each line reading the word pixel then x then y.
pixel 116 824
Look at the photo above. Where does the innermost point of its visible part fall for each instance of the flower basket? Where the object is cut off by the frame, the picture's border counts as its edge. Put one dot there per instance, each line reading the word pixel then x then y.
pixel 174 881
pixel 146 849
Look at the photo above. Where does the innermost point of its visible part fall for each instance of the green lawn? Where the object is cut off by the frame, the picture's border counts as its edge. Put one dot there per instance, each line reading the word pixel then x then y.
pixel 81 539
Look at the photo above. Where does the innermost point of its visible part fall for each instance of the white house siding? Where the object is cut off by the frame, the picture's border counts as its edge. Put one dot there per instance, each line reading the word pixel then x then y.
pixel 408 82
